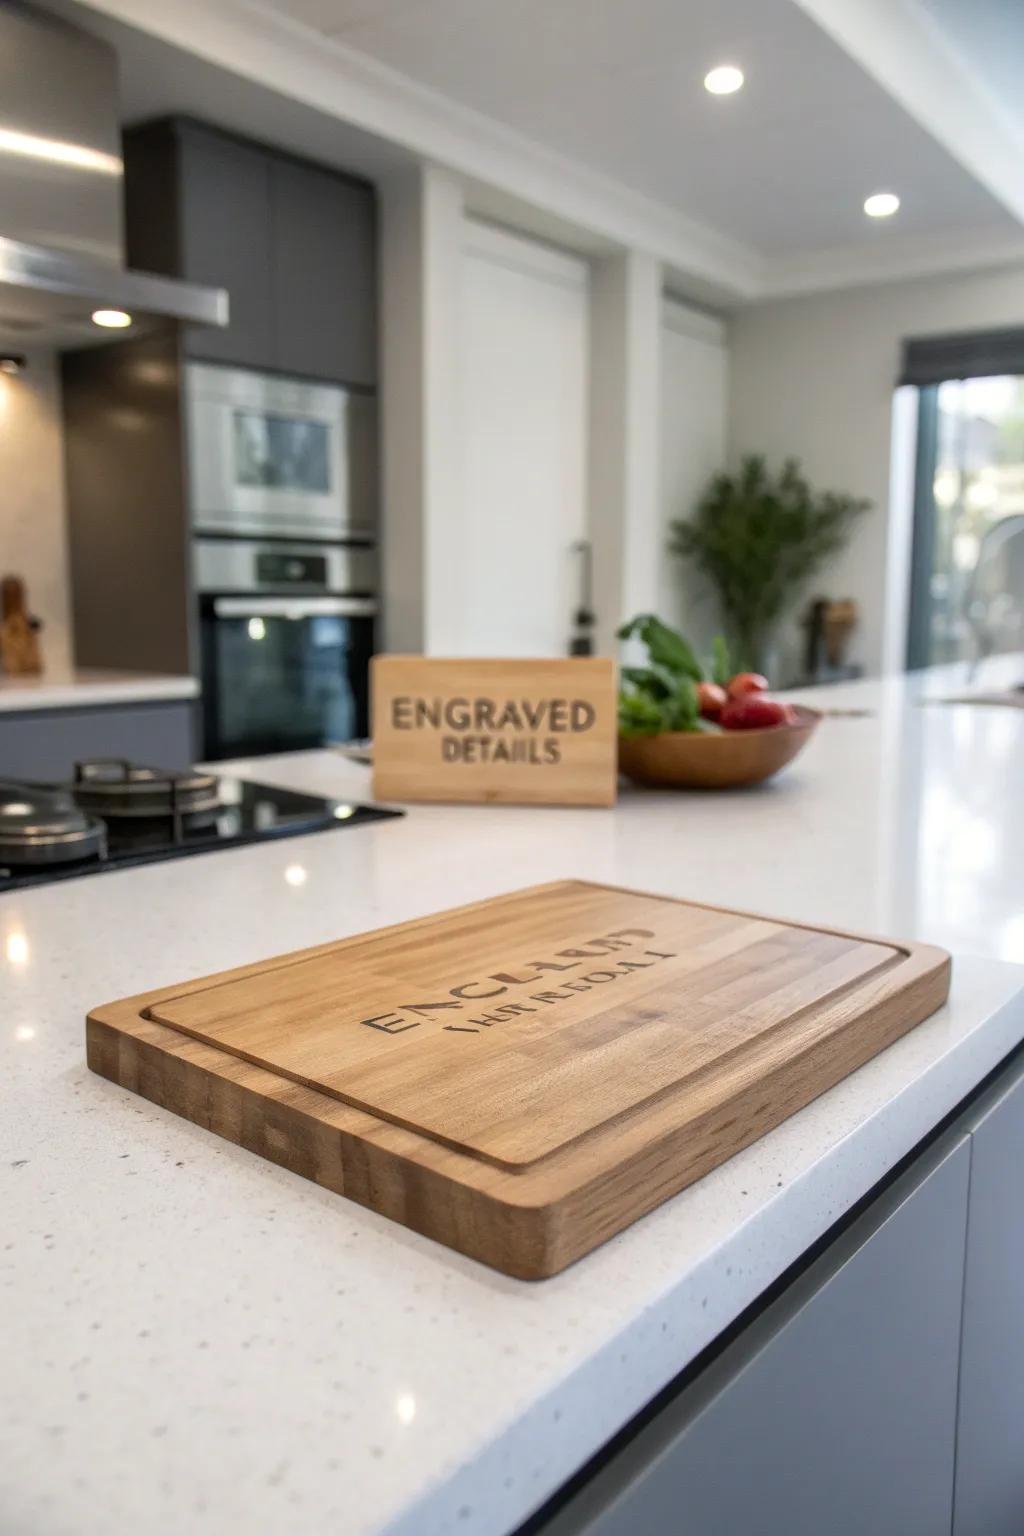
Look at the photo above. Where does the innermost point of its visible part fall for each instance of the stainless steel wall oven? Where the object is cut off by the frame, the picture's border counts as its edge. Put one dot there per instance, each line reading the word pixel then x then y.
pixel 287 632
pixel 283 494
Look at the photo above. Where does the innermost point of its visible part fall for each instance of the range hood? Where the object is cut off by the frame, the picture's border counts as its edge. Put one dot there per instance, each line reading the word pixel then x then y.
pixel 61 191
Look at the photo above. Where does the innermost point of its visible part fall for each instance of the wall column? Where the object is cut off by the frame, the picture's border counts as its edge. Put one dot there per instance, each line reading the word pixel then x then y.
pixel 421 233
pixel 623 459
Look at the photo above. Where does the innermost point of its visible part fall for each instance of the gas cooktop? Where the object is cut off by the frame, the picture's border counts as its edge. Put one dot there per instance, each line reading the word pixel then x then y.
pixel 116 814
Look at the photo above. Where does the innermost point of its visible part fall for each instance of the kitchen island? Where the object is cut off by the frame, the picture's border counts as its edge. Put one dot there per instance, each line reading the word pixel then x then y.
pixel 198 1340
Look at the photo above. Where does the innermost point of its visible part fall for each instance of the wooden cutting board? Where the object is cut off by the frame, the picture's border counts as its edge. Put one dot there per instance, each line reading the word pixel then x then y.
pixel 523 1077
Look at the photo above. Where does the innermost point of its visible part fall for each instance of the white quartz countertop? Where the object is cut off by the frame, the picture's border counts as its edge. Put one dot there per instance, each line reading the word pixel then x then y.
pixel 197 1340
pixel 84 688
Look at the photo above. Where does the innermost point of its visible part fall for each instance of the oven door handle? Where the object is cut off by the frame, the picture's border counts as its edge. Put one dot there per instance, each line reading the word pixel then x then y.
pixel 294 607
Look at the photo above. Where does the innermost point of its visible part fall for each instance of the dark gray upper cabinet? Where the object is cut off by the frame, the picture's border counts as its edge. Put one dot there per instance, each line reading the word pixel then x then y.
pixel 225 239
pixel 294 245
pixel 323 273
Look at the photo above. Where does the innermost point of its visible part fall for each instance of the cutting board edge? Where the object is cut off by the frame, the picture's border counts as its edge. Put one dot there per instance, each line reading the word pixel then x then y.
pixel 929 991
pixel 528 1238
pixel 506 1235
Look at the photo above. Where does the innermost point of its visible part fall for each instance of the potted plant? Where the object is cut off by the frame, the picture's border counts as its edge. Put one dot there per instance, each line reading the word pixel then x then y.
pixel 758 537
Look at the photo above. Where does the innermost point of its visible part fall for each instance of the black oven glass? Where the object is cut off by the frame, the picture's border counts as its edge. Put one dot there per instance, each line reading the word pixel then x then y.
pixel 284 452
pixel 275 683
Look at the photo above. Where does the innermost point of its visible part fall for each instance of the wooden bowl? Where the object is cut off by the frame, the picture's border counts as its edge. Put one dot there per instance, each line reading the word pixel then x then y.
pixel 715 759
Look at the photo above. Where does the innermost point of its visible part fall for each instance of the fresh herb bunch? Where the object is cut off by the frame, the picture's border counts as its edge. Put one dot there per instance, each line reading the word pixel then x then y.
pixel 662 696
pixel 758 537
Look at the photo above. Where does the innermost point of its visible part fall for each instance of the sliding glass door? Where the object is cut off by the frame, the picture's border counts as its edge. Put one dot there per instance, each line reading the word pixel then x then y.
pixel 967 586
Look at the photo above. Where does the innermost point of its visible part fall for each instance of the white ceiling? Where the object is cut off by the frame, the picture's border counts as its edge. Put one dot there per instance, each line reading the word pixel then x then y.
pixel 784 166
pixel 989 36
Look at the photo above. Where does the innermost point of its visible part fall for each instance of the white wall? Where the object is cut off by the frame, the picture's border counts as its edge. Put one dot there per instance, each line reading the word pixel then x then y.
pixel 523 410
pixel 693 412
pixel 814 377
pixel 522 360
pixel 33 542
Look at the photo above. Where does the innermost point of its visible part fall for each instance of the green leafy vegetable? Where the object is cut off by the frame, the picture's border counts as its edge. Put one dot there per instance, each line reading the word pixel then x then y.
pixel 662 696
pixel 658 682
pixel 665 646
pixel 680 710
pixel 639 715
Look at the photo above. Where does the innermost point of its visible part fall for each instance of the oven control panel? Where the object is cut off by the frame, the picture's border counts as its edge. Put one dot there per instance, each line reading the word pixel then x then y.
pixel 244 565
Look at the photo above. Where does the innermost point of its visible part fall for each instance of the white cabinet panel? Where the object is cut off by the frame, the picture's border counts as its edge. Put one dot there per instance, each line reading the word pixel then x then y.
pixel 694 380
pixel 522 383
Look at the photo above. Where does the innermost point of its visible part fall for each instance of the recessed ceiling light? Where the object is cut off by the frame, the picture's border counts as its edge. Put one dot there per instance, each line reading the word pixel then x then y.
pixel 113 319
pixel 723 80
pixel 881 205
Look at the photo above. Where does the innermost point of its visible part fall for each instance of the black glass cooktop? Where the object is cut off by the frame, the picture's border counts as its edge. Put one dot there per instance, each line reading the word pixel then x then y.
pixel 100 823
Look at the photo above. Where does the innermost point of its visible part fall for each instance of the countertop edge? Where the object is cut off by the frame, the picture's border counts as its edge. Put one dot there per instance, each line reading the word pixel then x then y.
pixel 88 690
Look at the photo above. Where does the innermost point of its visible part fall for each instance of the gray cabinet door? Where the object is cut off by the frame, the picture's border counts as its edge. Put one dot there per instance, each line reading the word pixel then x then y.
pixel 324 256
pixel 834 1412
pixel 47 743
pixel 990 1436
pixel 225 239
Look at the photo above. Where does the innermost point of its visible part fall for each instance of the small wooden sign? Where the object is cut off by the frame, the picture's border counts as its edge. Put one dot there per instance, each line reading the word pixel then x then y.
pixel 526 732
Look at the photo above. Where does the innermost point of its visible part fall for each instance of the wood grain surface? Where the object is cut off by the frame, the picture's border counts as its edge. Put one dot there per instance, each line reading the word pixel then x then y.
pixel 536 731
pixel 523 1077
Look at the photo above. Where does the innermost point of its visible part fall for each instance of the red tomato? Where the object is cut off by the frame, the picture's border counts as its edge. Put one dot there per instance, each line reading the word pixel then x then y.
pixel 753 712
pixel 746 682
pixel 711 700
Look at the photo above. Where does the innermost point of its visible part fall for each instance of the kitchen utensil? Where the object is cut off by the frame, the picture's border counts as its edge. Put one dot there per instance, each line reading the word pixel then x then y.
pixel 19 631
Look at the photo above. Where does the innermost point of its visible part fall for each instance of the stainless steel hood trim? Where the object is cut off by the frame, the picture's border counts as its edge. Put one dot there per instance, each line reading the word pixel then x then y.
pixel 38 269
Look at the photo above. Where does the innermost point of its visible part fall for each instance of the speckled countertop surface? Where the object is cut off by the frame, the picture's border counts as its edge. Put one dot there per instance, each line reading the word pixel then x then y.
pixel 195 1340
pixel 87 687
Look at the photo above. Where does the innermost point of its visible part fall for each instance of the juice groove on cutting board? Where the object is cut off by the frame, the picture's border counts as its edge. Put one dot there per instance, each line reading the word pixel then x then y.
pixel 545 1066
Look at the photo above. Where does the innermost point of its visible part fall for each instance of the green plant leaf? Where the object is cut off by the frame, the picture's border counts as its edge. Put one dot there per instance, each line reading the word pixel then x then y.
pixel 680 710
pixel 654 681
pixel 665 646
pixel 758 537
pixel 721 667
pixel 639 715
